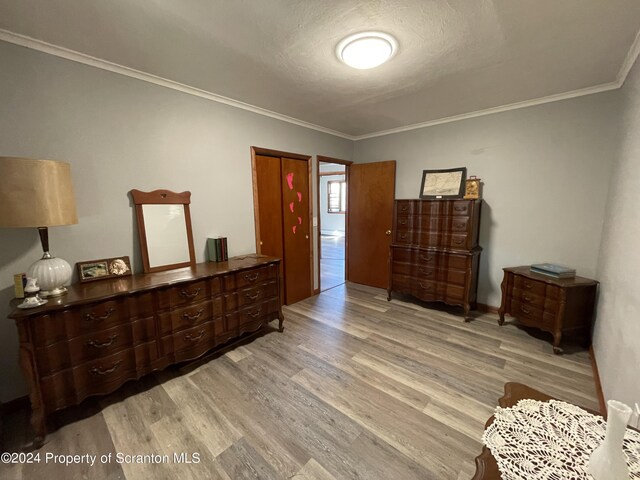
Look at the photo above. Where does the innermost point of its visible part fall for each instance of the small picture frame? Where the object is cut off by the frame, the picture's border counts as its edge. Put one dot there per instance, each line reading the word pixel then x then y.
pixel 104 268
pixel 446 183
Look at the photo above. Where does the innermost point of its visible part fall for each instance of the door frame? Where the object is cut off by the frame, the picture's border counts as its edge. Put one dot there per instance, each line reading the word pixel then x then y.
pixel 346 163
pixel 267 152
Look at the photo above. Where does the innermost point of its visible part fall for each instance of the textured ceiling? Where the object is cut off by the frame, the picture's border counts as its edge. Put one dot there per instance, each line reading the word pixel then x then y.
pixel 455 56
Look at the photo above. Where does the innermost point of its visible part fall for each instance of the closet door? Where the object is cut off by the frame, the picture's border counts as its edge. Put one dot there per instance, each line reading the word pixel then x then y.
pixel 268 206
pixel 296 229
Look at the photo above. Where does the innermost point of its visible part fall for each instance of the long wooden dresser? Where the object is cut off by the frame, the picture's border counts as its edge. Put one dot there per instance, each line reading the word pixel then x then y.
pixel 435 252
pixel 102 334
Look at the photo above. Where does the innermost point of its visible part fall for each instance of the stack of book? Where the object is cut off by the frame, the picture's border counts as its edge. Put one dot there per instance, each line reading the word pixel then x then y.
pixel 553 270
pixel 217 248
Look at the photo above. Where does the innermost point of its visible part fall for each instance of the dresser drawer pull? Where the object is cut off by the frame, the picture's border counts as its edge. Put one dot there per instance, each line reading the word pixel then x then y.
pixel 402 236
pixel 426 259
pixel 460 226
pixel 194 317
pixel 458 241
pixel 402 221
pixel 255 314
pixel 524 310
pixel 97 344
pixel 254 296
pixel 90 317
pixel 528 285
pixel 100 371
pixel 191 294
pixel 251 277
pixel 425 287
pixel 404 208
pixel 426 273
pixel 194 338
pixel 527 298
pixel 460 209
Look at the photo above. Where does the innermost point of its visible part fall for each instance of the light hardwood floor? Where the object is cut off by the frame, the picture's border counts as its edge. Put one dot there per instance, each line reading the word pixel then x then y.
pixel 332 261
pixel 355 387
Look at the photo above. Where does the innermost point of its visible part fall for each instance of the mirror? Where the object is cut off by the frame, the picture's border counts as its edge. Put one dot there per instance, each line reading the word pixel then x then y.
pixel 164 228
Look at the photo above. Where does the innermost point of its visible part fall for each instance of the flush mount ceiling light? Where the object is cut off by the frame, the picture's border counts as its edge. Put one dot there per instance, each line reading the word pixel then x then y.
pixel 367 49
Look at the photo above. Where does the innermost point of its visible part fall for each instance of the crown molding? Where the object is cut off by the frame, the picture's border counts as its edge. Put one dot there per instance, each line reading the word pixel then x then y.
pixel 41 46
pixel 51 49
pixel 504 108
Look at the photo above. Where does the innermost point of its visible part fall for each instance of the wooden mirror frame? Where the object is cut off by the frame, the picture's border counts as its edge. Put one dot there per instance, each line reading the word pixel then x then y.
pixel 162 197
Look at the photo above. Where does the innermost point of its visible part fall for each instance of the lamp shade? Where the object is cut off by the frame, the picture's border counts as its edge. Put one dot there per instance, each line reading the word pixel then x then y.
pixel 36 193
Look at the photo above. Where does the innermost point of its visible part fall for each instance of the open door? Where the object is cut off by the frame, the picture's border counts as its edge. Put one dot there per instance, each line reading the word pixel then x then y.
pixel 371 193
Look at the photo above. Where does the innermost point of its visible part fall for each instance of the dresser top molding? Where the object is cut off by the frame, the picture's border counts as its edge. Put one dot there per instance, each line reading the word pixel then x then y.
pixel 84 293
pixel 560 282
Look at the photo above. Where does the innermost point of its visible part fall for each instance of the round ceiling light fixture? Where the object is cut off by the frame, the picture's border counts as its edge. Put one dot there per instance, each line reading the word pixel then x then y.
pixel 366 49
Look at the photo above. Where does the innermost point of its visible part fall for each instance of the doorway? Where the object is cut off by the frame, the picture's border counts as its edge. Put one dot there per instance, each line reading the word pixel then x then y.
pixel 332 220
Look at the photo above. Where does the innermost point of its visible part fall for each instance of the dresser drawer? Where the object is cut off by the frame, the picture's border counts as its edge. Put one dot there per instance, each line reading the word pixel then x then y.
pixel 404 222
pixel 250 296
pixel 429 223
pixel 187 293
pixel 405 207
pixel 401 268
pixel 426 272
pixel 141 305
pixel 454 293
pixel 97 377
pixel 532 316
pixel 404 237
pixel 531 299
pixel 458 262
pixel 190 343
pixel 426 238
pixel 462 207
pixel 250 318
pixel 432 208
pixel 458 241
pixel 71 323
pixel 456 277
pixel 62 355
pixel 247 278
pixel 425 290
pixel 426 258
pixel 528 285
pixel 460 224
pixel 186 317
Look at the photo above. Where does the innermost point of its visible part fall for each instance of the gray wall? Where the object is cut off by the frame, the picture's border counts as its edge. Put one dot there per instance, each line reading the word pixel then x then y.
pixel 120 133
pixel 617 329
pixel 545 171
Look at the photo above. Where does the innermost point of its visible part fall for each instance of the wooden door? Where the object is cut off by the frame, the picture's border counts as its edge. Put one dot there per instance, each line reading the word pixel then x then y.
pixel 296 230
pixel 268 206
pixel 371 193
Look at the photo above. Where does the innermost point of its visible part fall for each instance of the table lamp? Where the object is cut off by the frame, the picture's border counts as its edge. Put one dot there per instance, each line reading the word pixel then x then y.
pixel 39 193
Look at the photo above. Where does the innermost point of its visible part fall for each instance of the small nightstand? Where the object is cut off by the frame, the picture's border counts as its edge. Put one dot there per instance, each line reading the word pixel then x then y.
pixel 560 306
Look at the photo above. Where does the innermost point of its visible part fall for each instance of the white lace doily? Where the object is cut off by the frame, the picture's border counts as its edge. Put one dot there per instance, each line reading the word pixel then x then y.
pixel 550 441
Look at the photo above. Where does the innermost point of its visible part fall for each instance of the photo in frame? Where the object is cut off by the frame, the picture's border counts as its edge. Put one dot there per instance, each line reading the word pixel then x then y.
pixel 445 183
pixel 104 268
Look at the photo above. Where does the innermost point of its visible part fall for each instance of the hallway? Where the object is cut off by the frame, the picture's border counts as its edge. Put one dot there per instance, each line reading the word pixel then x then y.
pixel 332 261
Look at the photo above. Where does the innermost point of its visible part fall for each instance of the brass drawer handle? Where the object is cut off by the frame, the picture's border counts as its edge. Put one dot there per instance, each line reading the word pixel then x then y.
pixel 458 241
pixel 252 278
pixel 426 259
pixel 100 371
pixel 428 287
pixel 527 298
pixel 528 285
pixel 460 226
pixel 97 344
pixel 253 297
pixel 524 310
pixel 255 314
pixel 426 273
pixel 460 209
pixel 402 221
pixel 191 294
pixel 195 316
pixel 194 338
pixel 404 208
pixel 90 317
pixel 403 236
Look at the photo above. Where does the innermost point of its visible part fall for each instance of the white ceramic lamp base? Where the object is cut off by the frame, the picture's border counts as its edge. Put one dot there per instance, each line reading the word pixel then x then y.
pixel 52 273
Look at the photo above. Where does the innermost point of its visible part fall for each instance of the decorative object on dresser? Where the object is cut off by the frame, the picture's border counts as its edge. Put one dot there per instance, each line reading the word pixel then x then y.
pixel 39 193
pixel 104 268
pixel 164 229
pixel 553 270
pixel 435 253
pixel 472 190
pixel 448 183
pixel 103 334
pixel 560 306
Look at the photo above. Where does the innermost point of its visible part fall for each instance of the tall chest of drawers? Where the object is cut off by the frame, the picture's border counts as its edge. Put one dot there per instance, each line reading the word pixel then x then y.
pixel 435 252
pixel 103 334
